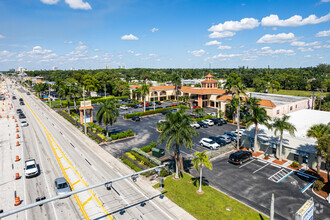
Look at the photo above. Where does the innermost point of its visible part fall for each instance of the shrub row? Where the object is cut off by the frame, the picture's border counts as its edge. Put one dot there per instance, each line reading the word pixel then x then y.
pixel 148 148
pixel 151 112
pixel 96 127
pixel 142 160
pixel 130 164
pixel 204 117
pixel 94 138
pixel 128 133
pixel 149 157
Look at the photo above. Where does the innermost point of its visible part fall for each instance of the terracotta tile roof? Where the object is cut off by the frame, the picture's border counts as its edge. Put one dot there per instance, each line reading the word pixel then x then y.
pixel 202 91
pixel 135 86
pixel 155 87
pixel 209 81
pixel 209 75
pixel 263 102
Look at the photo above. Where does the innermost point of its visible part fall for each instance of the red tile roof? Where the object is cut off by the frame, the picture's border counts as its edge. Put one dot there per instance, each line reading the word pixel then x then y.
pixel 263 102
pixel 202 91
pixel 209 75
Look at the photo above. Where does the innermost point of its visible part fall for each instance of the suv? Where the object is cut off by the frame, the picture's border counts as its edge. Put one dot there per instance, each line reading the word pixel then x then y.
pixel 20 99
pixel 19 111
pixel 225 138
pixel 206 142
pixel 31 168
pixel 202 124
pixel 208 122
pixel 28 93
pixel 136 118
pixel 216 121
pixel 61 186
pixel 21 116
pixel 232 135
pixel 158 103
pixel 218 140
pixel 14 97
pixel 123 107
pixel 21 103
pixel 239 157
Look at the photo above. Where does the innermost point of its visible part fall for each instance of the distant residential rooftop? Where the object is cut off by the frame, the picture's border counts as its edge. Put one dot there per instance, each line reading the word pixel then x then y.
pixel 277 99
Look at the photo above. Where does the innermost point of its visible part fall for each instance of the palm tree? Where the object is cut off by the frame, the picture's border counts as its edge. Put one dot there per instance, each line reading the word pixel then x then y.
pixel 76 93
pixel 107 114
pixel 198 161
pixel 68 94
pixel 198 111
pixel 318 131
pixel 324 142
pixel 59 88
pixel 281 125
pixel 258 116
pixel 177 131
pixel 145 91
pixel 233 103
pixel 176 80
pixel 138 93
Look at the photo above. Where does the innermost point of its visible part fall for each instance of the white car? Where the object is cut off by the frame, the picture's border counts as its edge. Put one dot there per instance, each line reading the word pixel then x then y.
pixel 31 168
pixel 123 107
pixel 206 142
pixel 195 125
pixel 24 124
pixel 208 122
pixel 241 131
pixel 212 113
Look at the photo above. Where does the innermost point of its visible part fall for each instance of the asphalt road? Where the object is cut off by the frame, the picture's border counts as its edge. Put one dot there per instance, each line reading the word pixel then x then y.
pixel 126 201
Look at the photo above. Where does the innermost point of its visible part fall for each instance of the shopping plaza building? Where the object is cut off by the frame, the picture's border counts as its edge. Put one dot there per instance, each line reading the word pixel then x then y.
pixel 209 95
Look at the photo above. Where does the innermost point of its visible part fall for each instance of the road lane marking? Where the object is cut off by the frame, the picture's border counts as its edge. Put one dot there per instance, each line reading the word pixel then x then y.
pixel 75 182
pixel 89 199
pixel 67 168
pixel 261 168
pixel 247 163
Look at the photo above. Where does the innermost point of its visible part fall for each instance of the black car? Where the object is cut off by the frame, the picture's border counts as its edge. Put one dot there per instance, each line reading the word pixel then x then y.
pixel 232 135
pixel 14 97
pixel 193 116
pixel 158 103
pixel 134 106
pixel 202 124
pixel 21 115
pixel 168 106
pixel 28 93
pixel 19 111
pixel 223 121
pixel 239 157
pixel 218 140
pixel 20 99
pixel 158 107
pixel 136 118
pixel 149 108
pixel 21 103
pixel 216 121
pixel 165 112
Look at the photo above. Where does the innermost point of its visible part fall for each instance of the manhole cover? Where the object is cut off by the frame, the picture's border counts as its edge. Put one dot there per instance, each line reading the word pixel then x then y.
pixel 228 208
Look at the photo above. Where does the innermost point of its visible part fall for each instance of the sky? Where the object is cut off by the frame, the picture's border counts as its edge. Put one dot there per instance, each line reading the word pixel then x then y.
pixel 91 34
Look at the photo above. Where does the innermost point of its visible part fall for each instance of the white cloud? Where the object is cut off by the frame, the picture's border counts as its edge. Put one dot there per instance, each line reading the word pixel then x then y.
pixel 245 23
pixel 68 42
pixel 5 53
pixel 325 0
pixel 296 20
pixel 154 29
pixel 38 50
pixel 213 42
pixel 307 56
pixel 138 54
pixel 152 55
pixel 130 51
pixel 96 50
pixel 277 38
pixel 269 51
pixel 81 46
pixel 224 47
pixel 303 44
pixel 225 56
pixel 50 2
pixel 222 34
pixel 78 4
pixel 197 53
pixel 129 37
pixel 304 49
pixel 323 33
pixel 1 36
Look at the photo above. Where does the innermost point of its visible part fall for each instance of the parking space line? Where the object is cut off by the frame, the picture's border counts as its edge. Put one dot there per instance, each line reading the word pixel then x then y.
pixel 262 161
pixel 275 165
pixel 285 177
pixel 308 185
pixel 75 182
pixel 247 163
pixel 261 168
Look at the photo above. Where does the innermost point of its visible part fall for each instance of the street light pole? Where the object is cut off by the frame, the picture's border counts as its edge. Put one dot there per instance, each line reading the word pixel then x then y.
pixel 84 110
pixel 50 101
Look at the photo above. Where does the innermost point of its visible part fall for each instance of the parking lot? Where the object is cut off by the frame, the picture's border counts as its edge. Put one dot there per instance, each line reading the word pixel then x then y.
pixel 145 131
pixel 254 182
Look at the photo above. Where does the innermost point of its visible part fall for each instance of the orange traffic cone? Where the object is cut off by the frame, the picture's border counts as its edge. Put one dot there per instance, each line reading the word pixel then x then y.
pixel 17 143
pixel 16 125
pixel 11 105
pixel 15 120
pixel 17 176
pixel 17 136
pixel 0 116
pixel 7 116
pixel 16 129
pixel 13 117
pixel 17 201
pixel 17 158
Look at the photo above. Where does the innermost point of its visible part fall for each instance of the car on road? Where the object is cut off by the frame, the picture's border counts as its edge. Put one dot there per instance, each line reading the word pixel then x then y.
pixel 202 124
pixel 239 157
pixel 158 103
pixel 61 186
pixel 136 118
pixel 19 111
pixel 21 103
pixel 123 107
pixel 216 121
pixel 28 93
pixel 13 97
pixel 232 135
pixel 225 138
pixel 31 168
pixel 208 122
pixel 24 124
pixel 206 142
pixel 134 106
pixel 195 125
pixel 21 116
pixel 20 99
pixel 218 140
pixel 165 112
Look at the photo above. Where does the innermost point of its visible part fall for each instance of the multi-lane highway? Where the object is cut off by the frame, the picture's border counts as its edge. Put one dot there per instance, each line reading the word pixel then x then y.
pixel 62 150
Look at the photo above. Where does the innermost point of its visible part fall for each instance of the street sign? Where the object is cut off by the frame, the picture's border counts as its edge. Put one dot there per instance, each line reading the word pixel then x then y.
pixel 306 211
pixel 87 103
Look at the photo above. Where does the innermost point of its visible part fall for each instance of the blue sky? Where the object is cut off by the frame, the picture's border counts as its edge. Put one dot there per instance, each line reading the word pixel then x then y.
pixel 90 34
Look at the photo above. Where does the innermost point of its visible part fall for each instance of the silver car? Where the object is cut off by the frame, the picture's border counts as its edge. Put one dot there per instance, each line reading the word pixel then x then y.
pixel 24 124
pixel 62 186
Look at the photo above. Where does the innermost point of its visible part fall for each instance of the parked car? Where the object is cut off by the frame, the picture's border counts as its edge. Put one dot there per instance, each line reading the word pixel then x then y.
pixel 162 120
pixel 165 112
pixel 195 125
pixel 225 138
pixel 61 186
pixel 152 103
pixel 174 110
pixel 28 93
pixel 19 111
pixel 123 107
pixel 206 142
pixel 31 168
pixel 21 103
pixel 147 104
pixel 202 124
pixel 223 121
pixel 134 106
pixel 239 157
pixel 158 107
pixel 208 122
pixel 216 121
pixel 174 105
pixel 232 135
pixel 240 132
pixel 13 97
pixel 218 140
pixel 21 116
pixel 24 124
pixel 136 118
pixel 193 116
pixel 20 99
pixel 139 105
pixel 149 108
pixel 196 106
pixel 168 106
pixel 158 103
pixel 212 113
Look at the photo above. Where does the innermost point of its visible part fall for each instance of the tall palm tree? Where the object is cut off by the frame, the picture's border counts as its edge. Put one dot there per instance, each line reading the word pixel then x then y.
pixel 318 131
pixel 198 161
pixel 138 93
pixel 177 131
pixel 281 125
pixel 76 93
pixel 324 141
pixel 258 116
pixel 107 114
pixel 176 80
pixel 68 94
pixel 237 88
pixel 59 89
pixel 145 91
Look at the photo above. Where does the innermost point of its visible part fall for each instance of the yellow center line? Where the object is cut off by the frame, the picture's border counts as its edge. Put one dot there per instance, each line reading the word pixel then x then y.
pixel 67 167
pixel 89 199
pixel 52 141
pixel 75 182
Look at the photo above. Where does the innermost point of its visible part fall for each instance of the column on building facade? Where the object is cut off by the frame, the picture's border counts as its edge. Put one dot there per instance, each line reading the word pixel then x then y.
pixel 200 100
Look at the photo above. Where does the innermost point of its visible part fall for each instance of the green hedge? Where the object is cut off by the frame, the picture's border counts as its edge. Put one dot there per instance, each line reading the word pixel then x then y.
pixel 130 164
pixel 151 112
pixel 149 157
pixel 96 127
pixel 204 117
pixel 142 159
pixel 128 133
pixel 148 148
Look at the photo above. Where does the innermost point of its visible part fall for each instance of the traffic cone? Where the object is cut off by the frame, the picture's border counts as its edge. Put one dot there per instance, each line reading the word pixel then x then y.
pixel 17 176
pixel 16 125
pixel 0 116
pixel 7 116
pixel 15 120
pixel 17 201
pixel 13 117
pixel 17 143
pixel 17 158
pixel 16 129
pixel 11 105
pixel 17 136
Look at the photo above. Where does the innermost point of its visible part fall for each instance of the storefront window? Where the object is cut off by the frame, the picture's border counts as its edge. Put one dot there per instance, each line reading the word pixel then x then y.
pixel 274 151
pixel 296 157
pixel 305 159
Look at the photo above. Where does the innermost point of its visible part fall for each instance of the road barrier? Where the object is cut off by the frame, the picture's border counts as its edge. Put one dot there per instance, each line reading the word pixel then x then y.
pixel 17 143
pixel 17 176
pixel 17 201
pixel 17 158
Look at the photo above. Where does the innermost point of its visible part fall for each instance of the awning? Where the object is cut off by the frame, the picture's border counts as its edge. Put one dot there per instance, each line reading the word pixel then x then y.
pixel 294 151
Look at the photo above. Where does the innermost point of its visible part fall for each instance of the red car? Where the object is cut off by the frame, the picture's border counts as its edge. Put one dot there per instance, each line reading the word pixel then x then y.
pixel 174 105
pixel 196 106
pixel 147 104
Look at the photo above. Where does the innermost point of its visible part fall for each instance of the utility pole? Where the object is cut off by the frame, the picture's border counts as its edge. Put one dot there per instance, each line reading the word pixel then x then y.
pixel 84 110
pixel 272 207
pixel 50 101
